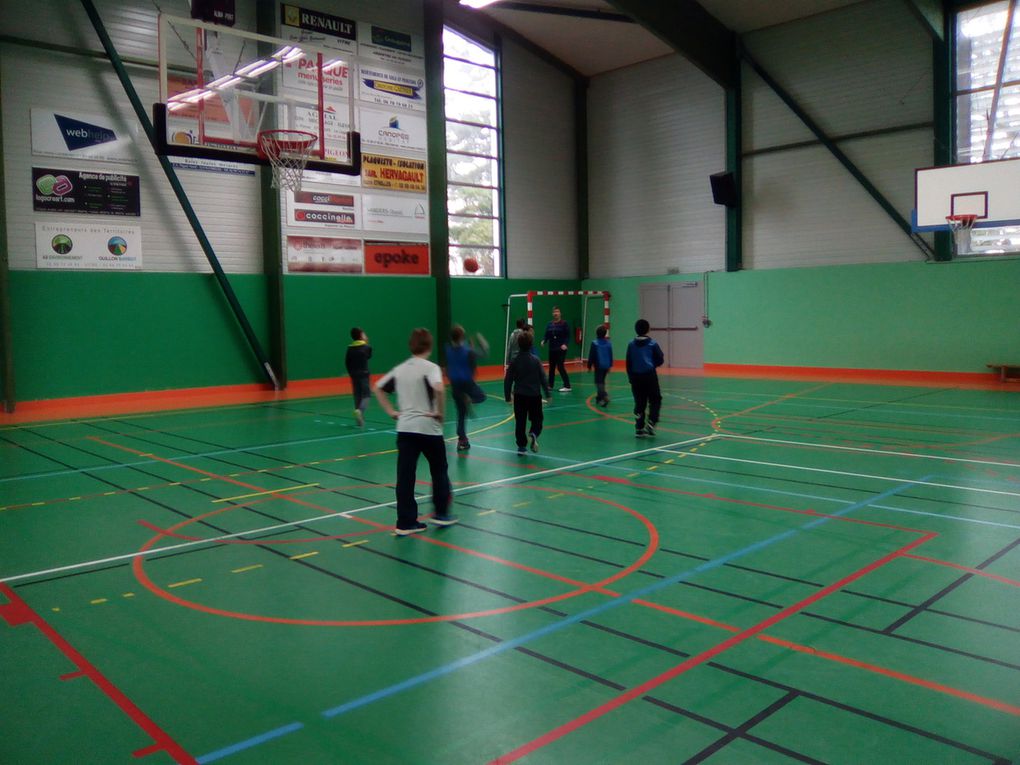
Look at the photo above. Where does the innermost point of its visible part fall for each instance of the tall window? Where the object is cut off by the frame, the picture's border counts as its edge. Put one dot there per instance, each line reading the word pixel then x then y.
pixel 988 99
pixel 472 155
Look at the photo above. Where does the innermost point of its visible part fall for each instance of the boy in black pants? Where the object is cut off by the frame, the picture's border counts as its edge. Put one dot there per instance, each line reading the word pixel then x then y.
pixel 358 354
pixel 526 378
pixel 644 356
pixel 418 384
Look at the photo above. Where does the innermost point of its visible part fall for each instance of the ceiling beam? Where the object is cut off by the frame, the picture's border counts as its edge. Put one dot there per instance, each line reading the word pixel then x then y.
pixel 691 31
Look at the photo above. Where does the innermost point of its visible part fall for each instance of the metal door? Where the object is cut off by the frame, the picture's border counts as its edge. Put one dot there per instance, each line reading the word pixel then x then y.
pixel 674 312
pixel 654 308
pixel 686 341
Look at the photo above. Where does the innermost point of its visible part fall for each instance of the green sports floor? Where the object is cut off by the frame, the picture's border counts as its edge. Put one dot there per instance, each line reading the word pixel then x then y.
pixel 788 571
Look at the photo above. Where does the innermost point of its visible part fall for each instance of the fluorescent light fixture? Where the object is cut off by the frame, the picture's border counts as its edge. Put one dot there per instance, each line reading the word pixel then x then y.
pixel 477 3
pixel 288 53
pixel 226 81
pixel 333 63
pixel 267 66
pixel 245 70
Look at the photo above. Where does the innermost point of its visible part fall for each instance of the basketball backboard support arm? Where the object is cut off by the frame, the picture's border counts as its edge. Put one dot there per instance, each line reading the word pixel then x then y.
pixel 182 197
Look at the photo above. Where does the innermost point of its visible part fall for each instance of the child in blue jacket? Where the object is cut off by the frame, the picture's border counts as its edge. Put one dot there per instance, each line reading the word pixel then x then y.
pixel 644 356
pixel 461 363
pixel 600 356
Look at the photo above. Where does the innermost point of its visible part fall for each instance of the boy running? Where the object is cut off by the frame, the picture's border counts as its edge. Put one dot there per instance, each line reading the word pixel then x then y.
pixel 358 354
pixel 600 356
pixel 525 383
pixel 644 356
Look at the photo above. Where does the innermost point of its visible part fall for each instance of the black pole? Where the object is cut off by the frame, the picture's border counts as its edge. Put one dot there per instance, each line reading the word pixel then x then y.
pixel 182 197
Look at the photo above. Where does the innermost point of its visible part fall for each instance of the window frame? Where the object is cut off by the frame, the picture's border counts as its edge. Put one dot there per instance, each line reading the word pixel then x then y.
pixel 498 217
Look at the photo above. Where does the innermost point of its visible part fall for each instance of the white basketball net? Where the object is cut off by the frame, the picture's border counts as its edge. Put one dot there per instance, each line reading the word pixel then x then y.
pixel 961 226
pixel 288 152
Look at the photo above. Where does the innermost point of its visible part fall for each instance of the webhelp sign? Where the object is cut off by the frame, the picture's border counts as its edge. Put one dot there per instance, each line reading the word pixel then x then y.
pixel 70 134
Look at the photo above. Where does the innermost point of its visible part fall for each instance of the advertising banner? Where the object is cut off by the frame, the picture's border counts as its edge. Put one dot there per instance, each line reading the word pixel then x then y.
pixel 321 29
pixel 77 191
pixel 88 136
pixel 388 46
pixel 390 212
pixel 322 209
pixel 87 246
pixel 325 255
pixel 391 130
pixel 397 258
pixel 393 173
pixel 392 89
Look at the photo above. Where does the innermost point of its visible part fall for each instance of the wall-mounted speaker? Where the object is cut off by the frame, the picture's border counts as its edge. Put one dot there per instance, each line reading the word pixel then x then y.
pixel 724 189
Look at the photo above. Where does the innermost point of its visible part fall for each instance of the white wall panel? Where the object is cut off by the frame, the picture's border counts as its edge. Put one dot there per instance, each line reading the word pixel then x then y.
pixel 227 205
pixel 809 211
pixel 866 67
pixel 656 132
pixel 539 167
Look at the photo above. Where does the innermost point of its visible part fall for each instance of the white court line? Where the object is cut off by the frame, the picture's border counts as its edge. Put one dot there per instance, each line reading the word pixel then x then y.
pixel 872 451
pixel 698 455
pixel 345 513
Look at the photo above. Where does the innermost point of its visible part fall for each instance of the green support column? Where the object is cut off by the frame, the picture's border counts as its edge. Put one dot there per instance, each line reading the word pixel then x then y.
pixel 944 115
pixel 439 227
pixel 6 347
pixel 272 236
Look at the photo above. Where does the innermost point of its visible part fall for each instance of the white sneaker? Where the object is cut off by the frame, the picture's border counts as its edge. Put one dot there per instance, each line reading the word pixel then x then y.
pixel 565 389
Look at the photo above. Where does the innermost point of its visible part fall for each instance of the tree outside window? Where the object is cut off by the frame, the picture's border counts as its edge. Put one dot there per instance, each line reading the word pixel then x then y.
pixel 472 154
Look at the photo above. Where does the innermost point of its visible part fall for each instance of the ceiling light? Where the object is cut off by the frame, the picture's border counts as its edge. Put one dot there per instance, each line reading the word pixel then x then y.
pixel 477 3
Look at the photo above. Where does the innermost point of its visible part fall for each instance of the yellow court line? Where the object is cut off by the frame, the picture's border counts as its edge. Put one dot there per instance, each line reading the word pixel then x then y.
pixel 264 493
pixel 355 544
pixel 185 583
pixel 246 568
pixel 304 555
pixel 97 601
pixel 128 595
pixel 486 512
pixel 522 504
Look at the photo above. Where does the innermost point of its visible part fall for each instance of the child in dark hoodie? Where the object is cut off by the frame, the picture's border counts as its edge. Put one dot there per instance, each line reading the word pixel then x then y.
pixel 644 356
pixel 461 363
pixel 600 356
pixel 358 354
pixel 526 379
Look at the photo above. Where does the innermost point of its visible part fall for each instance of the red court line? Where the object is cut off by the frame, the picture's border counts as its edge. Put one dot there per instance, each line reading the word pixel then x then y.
pixel 1001 706
pixel 640 690
pixel 968 569
pixel 18 612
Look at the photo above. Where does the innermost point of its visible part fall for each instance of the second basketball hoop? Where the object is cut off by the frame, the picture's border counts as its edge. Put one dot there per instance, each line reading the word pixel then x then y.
pixel 288 152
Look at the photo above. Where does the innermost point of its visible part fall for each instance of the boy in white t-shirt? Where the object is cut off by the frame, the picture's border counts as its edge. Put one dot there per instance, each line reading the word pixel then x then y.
pixel 418 384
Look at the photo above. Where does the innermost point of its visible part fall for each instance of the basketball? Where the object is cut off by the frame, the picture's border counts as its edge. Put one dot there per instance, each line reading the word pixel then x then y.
pixel 470 265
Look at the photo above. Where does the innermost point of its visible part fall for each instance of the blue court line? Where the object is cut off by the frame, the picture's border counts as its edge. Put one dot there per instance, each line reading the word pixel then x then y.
pixel 249 743
pixel 568 621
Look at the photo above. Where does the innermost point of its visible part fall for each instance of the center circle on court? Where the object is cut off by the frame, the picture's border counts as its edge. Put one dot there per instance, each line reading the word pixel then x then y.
pixel 651 546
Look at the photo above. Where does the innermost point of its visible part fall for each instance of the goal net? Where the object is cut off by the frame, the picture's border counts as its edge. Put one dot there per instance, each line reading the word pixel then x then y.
pixel 584 310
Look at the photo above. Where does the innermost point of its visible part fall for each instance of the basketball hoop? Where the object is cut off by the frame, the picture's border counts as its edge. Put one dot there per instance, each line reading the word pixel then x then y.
pixel 961 226
pixel 287 152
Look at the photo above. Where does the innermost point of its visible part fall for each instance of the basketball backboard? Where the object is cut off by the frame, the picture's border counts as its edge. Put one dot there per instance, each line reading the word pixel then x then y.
pixel 989 190
pixel 219 87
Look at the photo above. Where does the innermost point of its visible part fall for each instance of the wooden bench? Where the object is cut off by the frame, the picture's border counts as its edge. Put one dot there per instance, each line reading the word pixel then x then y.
pixel 1007 372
